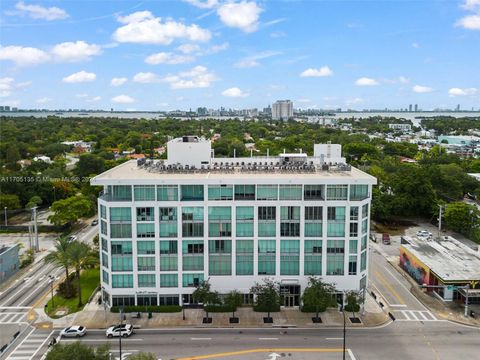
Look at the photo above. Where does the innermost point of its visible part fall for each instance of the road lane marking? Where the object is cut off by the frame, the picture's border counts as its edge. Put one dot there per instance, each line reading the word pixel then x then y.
pixel 350 353
pixel 200 339
pixel 98 340
pixel 338 338
pixel 389 287
pixel 43 343
pixel 253 351
pixel 397 305
pixel 267 338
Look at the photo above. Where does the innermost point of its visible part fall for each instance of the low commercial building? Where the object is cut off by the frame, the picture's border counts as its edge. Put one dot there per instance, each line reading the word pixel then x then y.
pixel 445 264
pixel 9 261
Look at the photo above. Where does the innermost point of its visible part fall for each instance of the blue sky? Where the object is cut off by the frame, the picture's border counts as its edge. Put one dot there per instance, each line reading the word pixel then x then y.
pixel 164 55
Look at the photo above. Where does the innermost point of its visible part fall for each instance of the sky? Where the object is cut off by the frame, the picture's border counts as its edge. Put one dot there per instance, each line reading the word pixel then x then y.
pixel 167 55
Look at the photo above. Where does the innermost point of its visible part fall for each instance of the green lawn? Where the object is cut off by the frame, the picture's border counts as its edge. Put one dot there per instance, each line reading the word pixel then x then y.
pixel 90 280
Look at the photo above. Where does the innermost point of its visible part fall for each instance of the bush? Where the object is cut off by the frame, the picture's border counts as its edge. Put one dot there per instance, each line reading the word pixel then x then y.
pixel 258 308
pixel 151 308
pixel 68 290
pixel 219 308
pixel 352 307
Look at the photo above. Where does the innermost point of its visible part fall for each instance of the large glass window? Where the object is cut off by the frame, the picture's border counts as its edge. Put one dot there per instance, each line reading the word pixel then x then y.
pixel 168 255
pixel 266 221
pixel 219 221
pixel 220 192
pixel 168 280
pixel 244 223
pixel 267 192
pixel 122 281
pixel 104 244
pixel 121 214
pixel 146 230
pixel 122 263
pixel 103 211
pixel 192 192
pixel 335 257
pixel 145 214
pixel 290 221
pixel 168 222
pixel 336 221
pixel 289 257
pixel 353 246
pixel 313 192
pixel 244 255
pixel 146 280
pixel 103 227
pixel 352 265
pixel 220 257
pixel 353 229
pixel 104 260
pixel 105 277
pixel 192 254
pixel 337 192
pixel 144 192
pixel 192 221
pixel 266 257
pixel 244 192
pixel 145 263
pixel 146 247
pixel 121 231
pixel 167 192
pixel 363 261
pixel 365 211
pixel 121 247
pixel 313 221
pixel 313 257
pixel 358 192
pixel 290 192
pixel 353 213
pixel 120 192
pixel 192 280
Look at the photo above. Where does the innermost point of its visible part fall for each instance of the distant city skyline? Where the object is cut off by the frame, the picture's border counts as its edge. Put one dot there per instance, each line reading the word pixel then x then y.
pixel 160 56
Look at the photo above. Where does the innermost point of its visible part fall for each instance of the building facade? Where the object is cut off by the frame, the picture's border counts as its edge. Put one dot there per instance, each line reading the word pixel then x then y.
pixel 167 225
pixel 9 261
pixel 282 110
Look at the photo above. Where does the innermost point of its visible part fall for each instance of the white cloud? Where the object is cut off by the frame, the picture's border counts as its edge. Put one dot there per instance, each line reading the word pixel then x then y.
pixel 415 45
pixel 251 61
pixel 277 34
pixel 196 50
pixel 79 77
pixel 243 15
pixel 234 92
pixel 188 48
pixel 23 56
pixel 43 100
pixel 168 58
pixel 354 101
pixel 198 77
pixel 6 86
pixel 142 27
pixel 470 22
pixel 403 80
pixel 246 63
pixel 75 51
pixel 422 89
pixel 145 78
pixel 118 81
pixel 39 12
pixel 320 72
pixel 365 81
pixel 462 92
pixel 94 99
pixel 471 4
pixel 207 4
pixel 123 99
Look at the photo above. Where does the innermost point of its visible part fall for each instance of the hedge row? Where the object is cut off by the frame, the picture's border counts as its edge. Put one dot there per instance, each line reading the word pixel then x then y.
pixel 152 308
pixel 311 309
pixel 263 309
pixel 219 308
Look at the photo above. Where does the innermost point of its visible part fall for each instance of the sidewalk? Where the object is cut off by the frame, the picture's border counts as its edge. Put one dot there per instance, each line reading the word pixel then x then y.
pixel 95 317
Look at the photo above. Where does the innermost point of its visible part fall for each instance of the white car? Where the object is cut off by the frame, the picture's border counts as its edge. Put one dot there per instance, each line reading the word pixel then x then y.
pixel 119 330
pixel 74 331
pixel 424 233
pixel 72 238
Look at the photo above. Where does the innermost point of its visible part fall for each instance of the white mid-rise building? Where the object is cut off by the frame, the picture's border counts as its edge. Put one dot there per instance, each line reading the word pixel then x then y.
pixel 282 110
pixel 167 225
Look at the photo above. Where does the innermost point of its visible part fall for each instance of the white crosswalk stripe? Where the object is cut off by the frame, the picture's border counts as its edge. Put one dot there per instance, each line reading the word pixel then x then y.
pixel 12 317
pixel 414 315
pixel 30 345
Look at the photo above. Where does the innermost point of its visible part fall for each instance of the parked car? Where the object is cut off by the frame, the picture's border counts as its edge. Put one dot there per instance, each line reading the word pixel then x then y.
pixel 386 239
pixel 124 330
pixel 74 331
pixel 95 222
pixel 72 238
pixel 424 234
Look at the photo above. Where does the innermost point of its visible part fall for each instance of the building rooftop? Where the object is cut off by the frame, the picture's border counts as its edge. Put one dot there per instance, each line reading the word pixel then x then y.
pixel 447 257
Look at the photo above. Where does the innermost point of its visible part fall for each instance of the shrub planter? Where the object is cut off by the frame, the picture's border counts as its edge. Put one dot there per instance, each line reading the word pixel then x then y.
pixel 355 320
pixel 268 320
pixel 234 320
pixel 316 320
pixel 207 320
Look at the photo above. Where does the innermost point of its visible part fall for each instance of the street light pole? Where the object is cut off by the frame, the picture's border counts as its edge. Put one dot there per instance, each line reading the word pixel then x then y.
pixel 344 332
pixel 120 337
pixel 52 278
pixel 5 209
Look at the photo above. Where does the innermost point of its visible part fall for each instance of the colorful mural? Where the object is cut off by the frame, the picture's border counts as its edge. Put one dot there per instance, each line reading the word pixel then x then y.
pixel 414 267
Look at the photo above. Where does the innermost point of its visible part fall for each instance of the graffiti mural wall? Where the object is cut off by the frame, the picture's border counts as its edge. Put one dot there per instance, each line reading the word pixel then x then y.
pixel 414 267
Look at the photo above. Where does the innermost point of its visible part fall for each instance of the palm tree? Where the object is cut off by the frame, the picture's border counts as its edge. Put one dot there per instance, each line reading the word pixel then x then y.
pixel 81 257
pixel 60 257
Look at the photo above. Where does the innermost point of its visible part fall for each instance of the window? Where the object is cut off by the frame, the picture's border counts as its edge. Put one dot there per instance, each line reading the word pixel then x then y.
pixel 167 193
pixel 219 221
pixel 353 246
pixel 353 213
pixel 313 192
pixel 364 242
pixel 169 299
pixel 220 192
pixel 244 223
pixel 168 247
pixel 192 251
pixel 120 192
pixel 358 192
pixel 122 281
pixel 192 192
pixel 103 212
pixel 104 244
pixel 123 300
pixel 290 221
pixel 168 255
pixel 363 261
pixel 335 257
pixel 352 265
pixel 146 230
pixel 146 280
pixel 104 260
pixel 103 227
pixel 145 214
pixel 144 192
pixel 353 229
pixel 336 221
pixel 220 257
pixel 192 221
pixel 121 214
pixel 313 257
pixel 266 212
pixel 191 280
pixel 146 247
pixel 365 211
pixel 337 192
pixel 266 257
pixel 313 221
pixel 244 254
pixel 105 277
pixel 244 192
pixel 145 263
pixel 313 213
pixel 122 263
pixel 266 221
pixel 364 226
pixel 290 192
pixel 168 222
pixel 121 231
pixel 267 192
pixel 121 247
pixel 289 257
pixel 168 280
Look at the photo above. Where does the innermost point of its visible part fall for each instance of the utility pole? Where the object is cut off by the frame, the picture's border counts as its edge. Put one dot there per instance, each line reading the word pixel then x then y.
pixel 440 214
pixel 467 288
pixel 35 227
pixel 120 337
pixel 6 222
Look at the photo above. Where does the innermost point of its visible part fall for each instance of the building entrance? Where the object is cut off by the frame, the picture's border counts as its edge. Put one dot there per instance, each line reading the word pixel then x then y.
pixel 290 295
